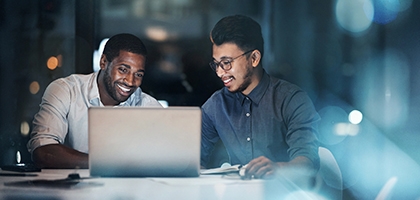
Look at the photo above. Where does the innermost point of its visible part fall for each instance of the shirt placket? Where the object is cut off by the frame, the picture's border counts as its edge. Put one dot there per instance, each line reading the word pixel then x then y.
pixel 248 116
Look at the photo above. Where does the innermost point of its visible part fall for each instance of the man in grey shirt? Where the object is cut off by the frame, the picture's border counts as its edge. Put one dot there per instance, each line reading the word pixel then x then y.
pixel 59 138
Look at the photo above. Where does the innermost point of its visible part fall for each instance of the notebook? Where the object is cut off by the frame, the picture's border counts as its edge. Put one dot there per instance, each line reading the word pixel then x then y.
pixel 144 141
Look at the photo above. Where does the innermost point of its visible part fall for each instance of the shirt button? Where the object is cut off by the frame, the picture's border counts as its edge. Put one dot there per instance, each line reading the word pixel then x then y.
pixel 247 114
pixel 248 139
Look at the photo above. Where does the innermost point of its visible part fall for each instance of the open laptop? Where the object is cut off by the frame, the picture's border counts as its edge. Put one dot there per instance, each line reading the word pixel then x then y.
pixel 144 141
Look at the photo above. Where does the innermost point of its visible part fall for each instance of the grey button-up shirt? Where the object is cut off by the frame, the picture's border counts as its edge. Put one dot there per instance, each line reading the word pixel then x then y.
pixel 63 114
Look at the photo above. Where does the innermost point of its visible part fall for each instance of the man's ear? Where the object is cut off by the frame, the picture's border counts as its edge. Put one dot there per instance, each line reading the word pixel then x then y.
pixel 255 57
pixel 103 62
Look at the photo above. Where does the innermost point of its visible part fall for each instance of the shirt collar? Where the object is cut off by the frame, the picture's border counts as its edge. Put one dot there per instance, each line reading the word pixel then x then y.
pixel 93 90
pixel 134 99
pixel 258 92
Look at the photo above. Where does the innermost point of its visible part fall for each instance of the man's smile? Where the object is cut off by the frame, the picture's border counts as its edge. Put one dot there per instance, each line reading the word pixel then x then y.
pixel 124 88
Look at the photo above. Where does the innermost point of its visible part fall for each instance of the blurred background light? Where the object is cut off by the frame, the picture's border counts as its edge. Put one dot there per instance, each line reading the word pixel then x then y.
pixel 331 128
pixel 34 87
pixel 344 129
pixel 18 157
pixel 355 117
pixel 24 128
pixel 385 10
pixel 59 60
pixel 354 15
pixel 405 4
pixel 383 89
pixel 52 63
pixel 158 34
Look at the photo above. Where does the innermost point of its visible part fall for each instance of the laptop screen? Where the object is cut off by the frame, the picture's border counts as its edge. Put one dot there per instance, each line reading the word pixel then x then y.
pixel 144 141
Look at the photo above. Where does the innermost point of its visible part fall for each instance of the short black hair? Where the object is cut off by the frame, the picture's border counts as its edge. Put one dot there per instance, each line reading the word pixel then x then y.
pixel 240 30
pixel 125 42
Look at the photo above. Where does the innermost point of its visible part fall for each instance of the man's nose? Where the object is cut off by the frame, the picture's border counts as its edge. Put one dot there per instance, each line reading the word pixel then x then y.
pixel 129 80
pixel 219 71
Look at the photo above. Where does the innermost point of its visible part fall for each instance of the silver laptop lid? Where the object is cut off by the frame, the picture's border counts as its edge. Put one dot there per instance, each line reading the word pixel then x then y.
pixel 144 141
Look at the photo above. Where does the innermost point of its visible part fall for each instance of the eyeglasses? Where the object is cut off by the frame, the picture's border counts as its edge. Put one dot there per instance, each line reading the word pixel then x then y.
pixel 226 63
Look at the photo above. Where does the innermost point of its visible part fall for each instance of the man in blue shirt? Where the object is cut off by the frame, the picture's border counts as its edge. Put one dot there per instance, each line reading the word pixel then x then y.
pixel 265 123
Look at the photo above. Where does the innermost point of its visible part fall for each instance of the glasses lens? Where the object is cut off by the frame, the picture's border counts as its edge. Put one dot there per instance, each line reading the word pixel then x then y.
pixel 225 65
pixel 213 65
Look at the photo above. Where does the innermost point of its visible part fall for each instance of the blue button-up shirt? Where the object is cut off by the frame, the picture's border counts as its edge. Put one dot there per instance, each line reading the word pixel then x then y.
pixel 276 120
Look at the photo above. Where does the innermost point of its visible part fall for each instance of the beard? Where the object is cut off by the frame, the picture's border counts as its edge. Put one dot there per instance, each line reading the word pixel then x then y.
pixel 247 80
pixel 110 88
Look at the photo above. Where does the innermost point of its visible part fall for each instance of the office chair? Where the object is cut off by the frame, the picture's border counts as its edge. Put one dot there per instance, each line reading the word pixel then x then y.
pixel 328 181
pixel 387 189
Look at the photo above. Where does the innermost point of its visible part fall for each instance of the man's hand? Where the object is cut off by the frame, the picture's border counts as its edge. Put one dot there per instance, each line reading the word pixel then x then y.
pixel 59 156
pixel 261 167
pixel 264 168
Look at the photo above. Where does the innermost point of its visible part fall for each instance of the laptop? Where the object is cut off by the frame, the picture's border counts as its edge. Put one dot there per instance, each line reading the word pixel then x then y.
pixel 144 141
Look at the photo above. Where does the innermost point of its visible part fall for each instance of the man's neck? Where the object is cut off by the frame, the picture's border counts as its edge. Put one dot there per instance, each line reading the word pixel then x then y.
pixel 255 80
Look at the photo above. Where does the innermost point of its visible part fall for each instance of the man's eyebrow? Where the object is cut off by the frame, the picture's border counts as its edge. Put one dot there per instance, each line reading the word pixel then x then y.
pixel 129 67
pixel 125 65
pixel 223 58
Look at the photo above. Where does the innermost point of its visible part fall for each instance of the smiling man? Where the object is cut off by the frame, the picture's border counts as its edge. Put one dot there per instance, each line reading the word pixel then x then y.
pixel 265 123
pixel 59 138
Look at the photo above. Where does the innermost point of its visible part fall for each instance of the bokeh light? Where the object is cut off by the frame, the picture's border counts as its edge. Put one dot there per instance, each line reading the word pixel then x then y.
pixel 59 60
pixel 383 90
pixel 24 128
pixel 331 119
pixel 52 63
pixel 34 87
pixel 158 34
pixel 385 11
pixel 345 129
pixel 354 15
pixel 355 117
pixel 18 157
pixel 405 4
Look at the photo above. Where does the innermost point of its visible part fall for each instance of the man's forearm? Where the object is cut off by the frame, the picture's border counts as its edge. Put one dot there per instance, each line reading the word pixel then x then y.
pixel 299 164
pixel 59 157
pixel 301 171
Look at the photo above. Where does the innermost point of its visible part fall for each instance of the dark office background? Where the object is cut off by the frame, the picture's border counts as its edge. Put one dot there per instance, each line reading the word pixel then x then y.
pixel 348 55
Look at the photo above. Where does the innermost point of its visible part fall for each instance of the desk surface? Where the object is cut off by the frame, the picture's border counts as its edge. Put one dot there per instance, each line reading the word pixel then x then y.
pixel 203 187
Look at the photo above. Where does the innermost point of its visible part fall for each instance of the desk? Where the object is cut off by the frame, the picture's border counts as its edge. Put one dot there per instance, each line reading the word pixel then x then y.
pixel 203 187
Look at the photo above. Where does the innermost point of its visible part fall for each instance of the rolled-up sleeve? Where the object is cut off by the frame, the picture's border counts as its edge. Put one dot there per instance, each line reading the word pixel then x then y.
pixel 50 125
pixel 302 120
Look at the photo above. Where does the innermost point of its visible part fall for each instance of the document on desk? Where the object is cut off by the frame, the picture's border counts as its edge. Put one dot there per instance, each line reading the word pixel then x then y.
pixel 222 170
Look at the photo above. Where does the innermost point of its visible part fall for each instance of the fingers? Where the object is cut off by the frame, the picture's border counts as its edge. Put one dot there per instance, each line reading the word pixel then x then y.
pixel 260 167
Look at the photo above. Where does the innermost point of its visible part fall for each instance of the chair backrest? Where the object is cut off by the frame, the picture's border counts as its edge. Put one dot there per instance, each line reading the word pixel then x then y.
pixel 387 189
pixel 329 181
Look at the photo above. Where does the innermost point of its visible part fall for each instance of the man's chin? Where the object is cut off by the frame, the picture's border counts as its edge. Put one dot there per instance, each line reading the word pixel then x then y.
pixel 232 90
pixel 121 98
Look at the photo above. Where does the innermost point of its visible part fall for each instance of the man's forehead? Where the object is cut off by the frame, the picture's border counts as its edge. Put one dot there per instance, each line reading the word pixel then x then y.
pixel 225 50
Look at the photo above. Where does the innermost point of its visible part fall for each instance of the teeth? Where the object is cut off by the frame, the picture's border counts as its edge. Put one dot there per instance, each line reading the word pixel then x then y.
pixel 123 88
pixel 227 80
